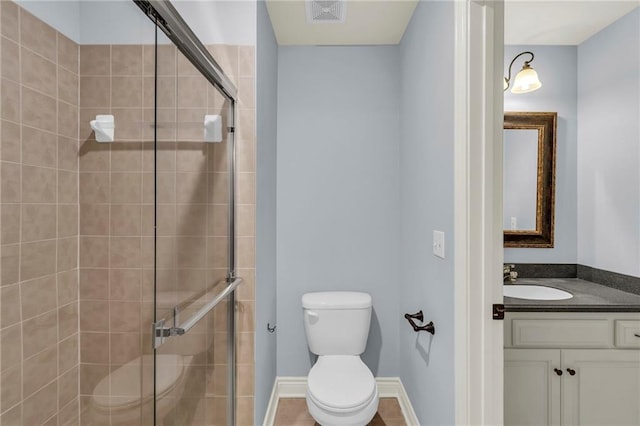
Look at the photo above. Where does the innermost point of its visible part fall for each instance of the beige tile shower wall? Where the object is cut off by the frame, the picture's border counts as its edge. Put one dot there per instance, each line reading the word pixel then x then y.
pixel 246 213
pixel 116 221
pixel 116 275
pixel 39 222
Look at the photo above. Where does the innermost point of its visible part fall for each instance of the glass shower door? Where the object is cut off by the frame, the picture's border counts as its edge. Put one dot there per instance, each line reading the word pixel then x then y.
pixel 116 308
pixel 190 245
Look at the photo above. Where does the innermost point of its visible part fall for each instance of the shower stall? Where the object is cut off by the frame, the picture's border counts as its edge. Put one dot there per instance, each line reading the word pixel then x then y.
pixel 122 234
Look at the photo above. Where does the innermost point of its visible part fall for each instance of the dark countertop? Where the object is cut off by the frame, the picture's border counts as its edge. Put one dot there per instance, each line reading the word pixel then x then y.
pixel 587 297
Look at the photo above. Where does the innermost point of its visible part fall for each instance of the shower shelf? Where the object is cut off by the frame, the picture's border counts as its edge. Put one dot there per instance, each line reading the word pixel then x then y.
pixel 104 127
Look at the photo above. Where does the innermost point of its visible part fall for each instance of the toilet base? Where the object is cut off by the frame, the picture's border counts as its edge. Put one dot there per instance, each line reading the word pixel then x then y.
pixel 360 417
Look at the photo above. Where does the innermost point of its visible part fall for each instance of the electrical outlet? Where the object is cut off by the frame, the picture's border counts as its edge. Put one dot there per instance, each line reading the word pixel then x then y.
pixel 438 244
pixel 514 223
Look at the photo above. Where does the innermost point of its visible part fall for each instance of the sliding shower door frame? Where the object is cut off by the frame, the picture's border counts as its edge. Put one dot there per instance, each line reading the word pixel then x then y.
pixel 167 18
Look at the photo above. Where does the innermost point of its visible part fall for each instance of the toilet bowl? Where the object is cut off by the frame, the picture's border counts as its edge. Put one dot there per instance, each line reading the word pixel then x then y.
pixel 119 397
pixel 341 390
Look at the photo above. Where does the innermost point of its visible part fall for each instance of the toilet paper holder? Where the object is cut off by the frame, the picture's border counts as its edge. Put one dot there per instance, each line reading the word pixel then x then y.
pixel 420 317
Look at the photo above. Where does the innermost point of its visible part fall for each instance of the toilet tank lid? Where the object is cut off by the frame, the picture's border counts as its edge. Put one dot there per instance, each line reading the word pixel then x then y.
pixel 336 300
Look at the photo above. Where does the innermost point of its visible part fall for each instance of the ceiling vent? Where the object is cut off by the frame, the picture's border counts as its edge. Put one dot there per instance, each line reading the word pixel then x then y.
pixel 326 11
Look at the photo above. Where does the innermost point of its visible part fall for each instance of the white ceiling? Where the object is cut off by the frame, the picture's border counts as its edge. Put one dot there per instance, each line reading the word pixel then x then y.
pixel 550 22
pixel 560 22
pixel 366 22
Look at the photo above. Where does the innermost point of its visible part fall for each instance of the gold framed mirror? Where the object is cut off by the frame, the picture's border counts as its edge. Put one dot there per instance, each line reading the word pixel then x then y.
pixel 529 178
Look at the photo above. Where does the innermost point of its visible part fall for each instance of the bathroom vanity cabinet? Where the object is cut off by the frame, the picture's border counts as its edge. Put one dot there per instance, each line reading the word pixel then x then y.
pixel 572 368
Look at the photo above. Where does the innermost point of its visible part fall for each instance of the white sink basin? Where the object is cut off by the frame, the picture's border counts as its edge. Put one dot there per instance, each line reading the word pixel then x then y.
pixel 535 292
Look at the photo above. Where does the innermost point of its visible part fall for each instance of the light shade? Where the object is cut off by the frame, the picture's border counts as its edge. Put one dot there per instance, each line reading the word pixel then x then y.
pixel 526 80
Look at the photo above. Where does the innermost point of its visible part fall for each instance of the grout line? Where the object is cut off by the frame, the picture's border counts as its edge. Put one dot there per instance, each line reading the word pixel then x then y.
pixel 21 218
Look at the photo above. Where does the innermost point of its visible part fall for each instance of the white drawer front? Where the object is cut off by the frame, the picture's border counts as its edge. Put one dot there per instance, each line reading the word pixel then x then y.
pixel 584 333
pixel 628 334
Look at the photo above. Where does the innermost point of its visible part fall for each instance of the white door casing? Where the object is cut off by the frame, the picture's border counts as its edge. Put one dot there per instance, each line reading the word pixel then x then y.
pixel 478 211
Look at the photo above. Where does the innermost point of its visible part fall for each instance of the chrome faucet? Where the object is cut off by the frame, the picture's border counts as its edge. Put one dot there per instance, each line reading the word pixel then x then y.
pixel 509 274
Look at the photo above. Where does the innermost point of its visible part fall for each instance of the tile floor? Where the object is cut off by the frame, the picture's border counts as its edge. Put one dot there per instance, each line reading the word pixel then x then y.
pixel 293 412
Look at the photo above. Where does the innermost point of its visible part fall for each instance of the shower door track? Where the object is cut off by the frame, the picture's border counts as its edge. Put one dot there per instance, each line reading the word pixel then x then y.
pixel 167 18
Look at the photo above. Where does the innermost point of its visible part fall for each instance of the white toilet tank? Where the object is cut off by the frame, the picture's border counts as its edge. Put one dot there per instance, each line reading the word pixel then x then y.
pixel 337 322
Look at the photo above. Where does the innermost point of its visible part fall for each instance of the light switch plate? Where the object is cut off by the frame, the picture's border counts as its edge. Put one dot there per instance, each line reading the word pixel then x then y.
pixel 438 244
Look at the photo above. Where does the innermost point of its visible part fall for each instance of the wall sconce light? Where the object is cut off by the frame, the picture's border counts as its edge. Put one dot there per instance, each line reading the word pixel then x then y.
pixel 526 80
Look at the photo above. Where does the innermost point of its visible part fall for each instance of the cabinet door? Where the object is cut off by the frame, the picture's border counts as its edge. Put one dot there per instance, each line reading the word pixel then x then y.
pixel 531 387
pixel 605 389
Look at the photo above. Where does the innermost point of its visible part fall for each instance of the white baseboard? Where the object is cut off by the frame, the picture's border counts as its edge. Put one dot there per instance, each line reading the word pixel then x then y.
pixel 296 387
pixel 391 387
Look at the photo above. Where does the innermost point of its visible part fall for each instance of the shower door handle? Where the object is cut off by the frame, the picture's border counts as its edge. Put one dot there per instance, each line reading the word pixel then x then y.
pixel 161 332
pixel 202 312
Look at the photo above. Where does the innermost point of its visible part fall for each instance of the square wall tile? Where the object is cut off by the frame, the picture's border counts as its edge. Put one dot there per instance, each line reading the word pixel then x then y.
pixel 39 333
pixel 126 92
pixel 95 60
pixel 37 36
pixel 126 60
pixel 41 405
pixel 38 185
pixel 68 54
pixel 38 296
pixel 39 222
pixel 95 92
pixel 94 252
pixel 11 143
pixel 39 110
pixel 10 223
pixel 39 370
pixel 9 305
pixel 38 73
pixel 37 259
pixel 10 68
pixel 10 270
pixel 11 101
pixel 10 20
pixel 39 147
pixel 68 353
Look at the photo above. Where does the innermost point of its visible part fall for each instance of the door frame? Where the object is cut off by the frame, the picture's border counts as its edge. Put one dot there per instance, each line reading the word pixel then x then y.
pixel 478 92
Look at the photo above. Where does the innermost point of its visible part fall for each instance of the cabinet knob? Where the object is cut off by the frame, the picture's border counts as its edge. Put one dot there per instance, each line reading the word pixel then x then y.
pixel 558 371
pixel 571 371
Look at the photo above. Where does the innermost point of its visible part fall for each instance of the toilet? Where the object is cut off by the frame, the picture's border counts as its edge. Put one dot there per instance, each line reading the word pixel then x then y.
pixel 120 396
pixel 341 390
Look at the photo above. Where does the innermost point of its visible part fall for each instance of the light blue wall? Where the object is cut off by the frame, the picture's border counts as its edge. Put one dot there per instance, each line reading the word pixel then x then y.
pixel 609 148
pixel 122 22
pixel 591 86
pixel 64 16
pixel 426 180
pixel 266 144
pixel 557 68
pixel 338 191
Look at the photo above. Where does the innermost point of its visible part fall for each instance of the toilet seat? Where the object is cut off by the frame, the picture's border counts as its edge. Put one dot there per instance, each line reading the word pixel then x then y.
pixel 125 382
pixel 341 383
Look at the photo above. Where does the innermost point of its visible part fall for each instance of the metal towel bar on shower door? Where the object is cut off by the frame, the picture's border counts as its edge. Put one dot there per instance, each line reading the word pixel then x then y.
pixel 161 332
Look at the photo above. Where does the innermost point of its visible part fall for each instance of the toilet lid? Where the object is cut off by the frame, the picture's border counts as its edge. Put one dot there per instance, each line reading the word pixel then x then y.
pixel 341 382
pixel 132 383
